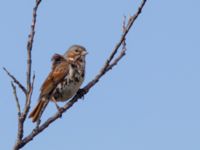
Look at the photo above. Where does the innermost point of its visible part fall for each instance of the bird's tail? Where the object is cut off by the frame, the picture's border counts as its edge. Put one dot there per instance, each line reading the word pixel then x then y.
pixel 37 111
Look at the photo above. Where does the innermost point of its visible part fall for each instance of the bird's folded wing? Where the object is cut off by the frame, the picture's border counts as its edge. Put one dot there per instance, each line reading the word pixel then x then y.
pixel 56 60
pixel 55 76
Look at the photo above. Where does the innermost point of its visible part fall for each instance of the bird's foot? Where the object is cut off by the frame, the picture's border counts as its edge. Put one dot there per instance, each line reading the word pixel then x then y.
pixel 81 93
pixel 60 111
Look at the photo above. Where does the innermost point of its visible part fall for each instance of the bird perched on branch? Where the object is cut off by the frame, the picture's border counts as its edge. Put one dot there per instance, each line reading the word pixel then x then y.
pixel 64 80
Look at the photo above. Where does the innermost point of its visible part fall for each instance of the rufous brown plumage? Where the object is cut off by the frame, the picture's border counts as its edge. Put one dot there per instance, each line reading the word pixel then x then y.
pixel 64 80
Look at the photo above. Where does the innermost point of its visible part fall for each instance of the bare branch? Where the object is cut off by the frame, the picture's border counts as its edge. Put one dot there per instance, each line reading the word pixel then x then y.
pixel 123 30
pixel 21 119
pixel 30 44
pixel 107 66
pixel 28 102
pixel 123 51
pixel 122 54
pixel 16 99
pixel 39 129
pixel 30 84
pixel 134 17
pixel 15 80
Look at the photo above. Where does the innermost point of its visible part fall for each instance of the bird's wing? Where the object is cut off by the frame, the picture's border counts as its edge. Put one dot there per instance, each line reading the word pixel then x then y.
pixel 57 74
pixel 56 60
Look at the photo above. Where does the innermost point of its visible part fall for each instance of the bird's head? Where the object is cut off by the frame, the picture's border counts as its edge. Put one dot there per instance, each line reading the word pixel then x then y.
pixel 76 53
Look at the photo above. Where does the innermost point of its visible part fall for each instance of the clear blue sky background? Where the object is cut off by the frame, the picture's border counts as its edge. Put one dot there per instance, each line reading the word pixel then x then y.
pixel 150 101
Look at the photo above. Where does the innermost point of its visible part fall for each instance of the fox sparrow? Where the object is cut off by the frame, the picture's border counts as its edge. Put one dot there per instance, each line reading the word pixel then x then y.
pixel 64 80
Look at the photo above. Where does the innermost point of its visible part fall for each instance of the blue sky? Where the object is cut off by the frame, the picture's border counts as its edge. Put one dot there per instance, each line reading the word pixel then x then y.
pixel 150 101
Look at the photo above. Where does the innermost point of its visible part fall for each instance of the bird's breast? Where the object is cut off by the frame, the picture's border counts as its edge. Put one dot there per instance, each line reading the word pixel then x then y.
pixel 69 86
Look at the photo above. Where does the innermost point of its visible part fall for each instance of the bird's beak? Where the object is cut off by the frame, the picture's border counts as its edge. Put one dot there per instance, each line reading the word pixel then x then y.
pixel 84 53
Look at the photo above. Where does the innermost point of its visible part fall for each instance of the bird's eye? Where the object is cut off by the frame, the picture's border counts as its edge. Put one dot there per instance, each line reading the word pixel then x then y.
pixel 76 50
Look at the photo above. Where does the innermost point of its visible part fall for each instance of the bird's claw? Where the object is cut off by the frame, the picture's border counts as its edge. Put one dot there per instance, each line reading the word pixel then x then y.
pixel 60 111
pixel 81 93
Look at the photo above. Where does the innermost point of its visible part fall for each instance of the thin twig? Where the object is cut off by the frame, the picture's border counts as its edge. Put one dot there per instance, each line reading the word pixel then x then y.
pixel 107 66
pixel 16 99
pixel 116 60
pixel 30 44
pixel 123 51
pixel 29 90
pixel 123 30
pixel 15 80
pixel 28 102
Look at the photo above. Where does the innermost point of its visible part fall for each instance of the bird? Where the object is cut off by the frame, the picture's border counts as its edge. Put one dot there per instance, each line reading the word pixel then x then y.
pixel 62 83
